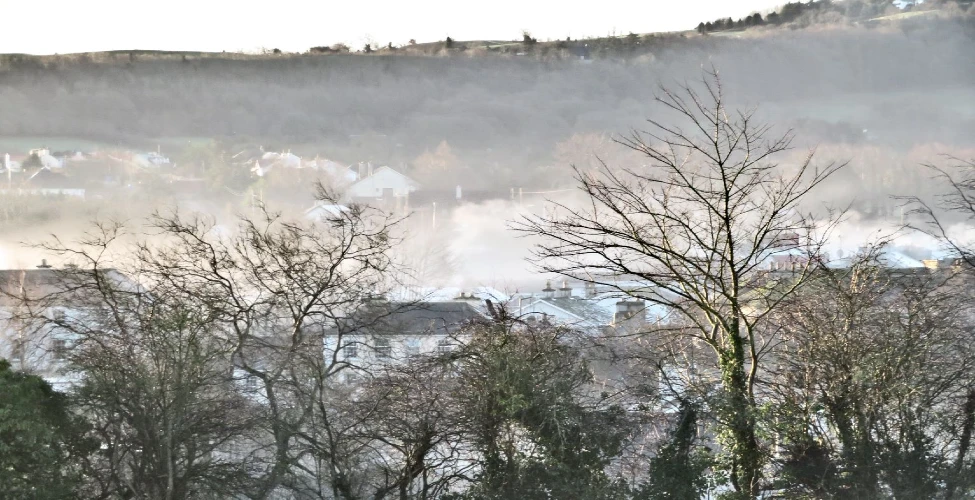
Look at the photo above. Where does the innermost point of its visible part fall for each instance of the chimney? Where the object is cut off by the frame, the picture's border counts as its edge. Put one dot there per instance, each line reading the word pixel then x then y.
pixel 564 292
pixel 370 168
pixel 590 289
pixel 631 312
pixel 44 264
pixel 548 292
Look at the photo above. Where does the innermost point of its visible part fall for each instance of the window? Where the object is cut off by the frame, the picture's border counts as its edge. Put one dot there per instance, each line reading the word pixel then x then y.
pixel 383 348
pixel 412 345
pixel 351 350
pixel 59 348
pixel 58 315
pixel 251 383
pixel 444 346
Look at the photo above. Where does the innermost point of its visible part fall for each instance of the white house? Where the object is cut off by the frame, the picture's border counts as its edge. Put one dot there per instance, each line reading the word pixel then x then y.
pixel 476 296
pixel 590 307
pixel 150 159
pixel 45 157
pixel 339 174
pixel 30 343
pixel 322 210
pixel 271 160
pixel 383 183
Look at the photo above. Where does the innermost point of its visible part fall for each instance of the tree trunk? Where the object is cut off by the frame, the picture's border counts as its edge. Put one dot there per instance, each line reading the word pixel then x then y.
pixel 739 412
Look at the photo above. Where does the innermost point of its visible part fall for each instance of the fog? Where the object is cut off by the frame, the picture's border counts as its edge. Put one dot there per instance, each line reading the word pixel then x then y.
pixel 886 98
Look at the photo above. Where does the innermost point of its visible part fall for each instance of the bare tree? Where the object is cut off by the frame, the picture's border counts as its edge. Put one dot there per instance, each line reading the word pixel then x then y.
pixel 152 371
pixel 955 203
pixel 533 423
pixel 257 302
pixel 934 218
pixel 695 225
pixel 413 430
pixel 871 378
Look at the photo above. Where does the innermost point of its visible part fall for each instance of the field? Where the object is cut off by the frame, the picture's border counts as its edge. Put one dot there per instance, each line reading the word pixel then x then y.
pixel 22 144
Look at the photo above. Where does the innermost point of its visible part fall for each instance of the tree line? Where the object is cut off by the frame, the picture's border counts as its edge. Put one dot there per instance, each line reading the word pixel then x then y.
pixel 220 367
pixel 812 12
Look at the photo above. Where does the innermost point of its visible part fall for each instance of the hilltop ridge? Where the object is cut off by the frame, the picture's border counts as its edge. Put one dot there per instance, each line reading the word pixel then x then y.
pixel 816 14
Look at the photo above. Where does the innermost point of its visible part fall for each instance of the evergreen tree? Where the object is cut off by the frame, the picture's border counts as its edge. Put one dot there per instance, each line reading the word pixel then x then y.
pixel 41 441
pixel 679 470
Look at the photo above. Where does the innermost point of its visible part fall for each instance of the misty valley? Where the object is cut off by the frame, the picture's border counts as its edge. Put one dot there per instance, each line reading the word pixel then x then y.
pixel 731 262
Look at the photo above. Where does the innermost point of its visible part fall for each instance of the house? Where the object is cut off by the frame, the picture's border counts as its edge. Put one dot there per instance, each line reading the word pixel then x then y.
pixel 384 183
pixel 46 182
pixel 373 336
pixel 150 160
pixel 36 345
pixel 389 332
pixel 339 174
pixel 322 210
pixel 475 296
pixel 561 306
pixel 590 308
pixel 45 158
pixel 271 160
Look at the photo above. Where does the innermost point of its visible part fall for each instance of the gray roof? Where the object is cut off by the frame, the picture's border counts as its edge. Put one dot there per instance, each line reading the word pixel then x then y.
pixel 54 287
pixel 47 179
pixel 406 318
pixel 588 309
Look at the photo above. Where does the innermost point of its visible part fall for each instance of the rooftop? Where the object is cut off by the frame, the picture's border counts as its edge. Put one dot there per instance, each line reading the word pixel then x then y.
pixel 49 286
pixel 407 318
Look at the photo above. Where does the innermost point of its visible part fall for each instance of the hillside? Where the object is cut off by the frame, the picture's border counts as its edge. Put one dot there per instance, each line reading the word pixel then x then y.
pixel 902 80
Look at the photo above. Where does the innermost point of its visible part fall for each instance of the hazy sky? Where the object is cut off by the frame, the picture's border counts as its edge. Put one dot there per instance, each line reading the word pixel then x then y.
pixel 64 26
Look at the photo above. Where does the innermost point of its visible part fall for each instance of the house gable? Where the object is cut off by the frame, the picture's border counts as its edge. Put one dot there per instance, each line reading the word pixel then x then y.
pixel 384 178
